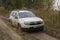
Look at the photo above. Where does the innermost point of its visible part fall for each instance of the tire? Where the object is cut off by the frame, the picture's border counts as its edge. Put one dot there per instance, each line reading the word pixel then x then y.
pixel 42 28
pixel 19 28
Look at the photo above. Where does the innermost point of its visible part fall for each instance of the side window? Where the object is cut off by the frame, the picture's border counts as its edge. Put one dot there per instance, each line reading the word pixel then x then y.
pixel 13 14
pixel 16 14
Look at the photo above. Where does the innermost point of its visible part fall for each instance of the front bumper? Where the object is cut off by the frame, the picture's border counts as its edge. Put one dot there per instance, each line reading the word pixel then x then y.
pixel 41 28
pixel 33 26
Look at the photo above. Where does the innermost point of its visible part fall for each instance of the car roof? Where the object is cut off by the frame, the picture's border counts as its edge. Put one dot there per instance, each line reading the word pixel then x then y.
pixel 24 11
pixel 20 11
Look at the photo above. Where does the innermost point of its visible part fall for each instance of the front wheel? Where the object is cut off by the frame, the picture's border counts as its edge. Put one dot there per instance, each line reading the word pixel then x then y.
pixel 42 28
pixel 20 28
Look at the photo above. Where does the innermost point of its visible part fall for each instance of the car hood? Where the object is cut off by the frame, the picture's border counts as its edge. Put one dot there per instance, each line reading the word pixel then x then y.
pixel 32 19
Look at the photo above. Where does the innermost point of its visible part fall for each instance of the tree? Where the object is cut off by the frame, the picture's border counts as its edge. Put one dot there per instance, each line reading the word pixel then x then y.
pixel 18 4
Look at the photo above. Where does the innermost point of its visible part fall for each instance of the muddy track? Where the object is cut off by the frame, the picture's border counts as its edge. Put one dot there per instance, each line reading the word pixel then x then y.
pixel 9 33
pixel 29 36
pixel 39 36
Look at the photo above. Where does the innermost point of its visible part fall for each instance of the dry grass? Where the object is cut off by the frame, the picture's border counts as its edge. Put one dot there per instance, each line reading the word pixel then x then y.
pixel 4 12
pixel 51 18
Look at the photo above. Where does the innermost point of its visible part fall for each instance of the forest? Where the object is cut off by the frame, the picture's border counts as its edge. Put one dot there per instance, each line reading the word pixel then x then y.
pixel 19 4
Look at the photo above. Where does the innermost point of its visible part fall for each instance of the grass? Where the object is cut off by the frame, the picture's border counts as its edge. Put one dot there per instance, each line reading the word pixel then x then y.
pixel 4 12
pixel 51 18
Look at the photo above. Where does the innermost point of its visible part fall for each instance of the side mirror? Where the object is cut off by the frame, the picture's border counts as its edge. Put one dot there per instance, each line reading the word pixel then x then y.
pixel 16 17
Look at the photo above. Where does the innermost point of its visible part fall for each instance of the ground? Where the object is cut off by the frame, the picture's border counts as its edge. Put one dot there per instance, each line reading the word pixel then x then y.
pixel 9 34
pixel 12 33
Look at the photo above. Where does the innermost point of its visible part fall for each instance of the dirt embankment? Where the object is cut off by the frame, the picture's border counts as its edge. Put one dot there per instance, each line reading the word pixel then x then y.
pixel 9 34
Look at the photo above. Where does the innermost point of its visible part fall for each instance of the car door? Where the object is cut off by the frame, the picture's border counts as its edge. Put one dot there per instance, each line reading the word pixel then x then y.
pixel 16 18
pixel 12 18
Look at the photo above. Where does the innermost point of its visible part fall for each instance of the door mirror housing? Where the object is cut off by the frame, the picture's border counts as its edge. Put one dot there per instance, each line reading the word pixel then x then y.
pixel 16 17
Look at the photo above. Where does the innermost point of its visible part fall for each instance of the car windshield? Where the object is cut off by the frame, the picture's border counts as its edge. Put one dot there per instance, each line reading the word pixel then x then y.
pixel 26 14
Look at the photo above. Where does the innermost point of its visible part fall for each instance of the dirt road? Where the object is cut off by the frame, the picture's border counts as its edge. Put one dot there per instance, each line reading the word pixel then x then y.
pixel 9 33
pixel 12 35
pixel 38 36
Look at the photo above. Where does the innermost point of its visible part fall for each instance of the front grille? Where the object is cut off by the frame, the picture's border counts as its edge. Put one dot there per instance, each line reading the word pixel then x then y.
pixel 35 23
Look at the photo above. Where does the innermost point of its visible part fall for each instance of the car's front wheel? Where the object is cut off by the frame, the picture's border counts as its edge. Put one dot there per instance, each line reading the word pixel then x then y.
pixel 41 28
pixel 20 28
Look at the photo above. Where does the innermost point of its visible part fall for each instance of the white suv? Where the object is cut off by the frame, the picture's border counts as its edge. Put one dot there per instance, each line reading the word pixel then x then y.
pixel 26 20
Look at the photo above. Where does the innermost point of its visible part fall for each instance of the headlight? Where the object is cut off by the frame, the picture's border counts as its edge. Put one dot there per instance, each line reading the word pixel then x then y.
pixel 26 23
pixel 39 22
